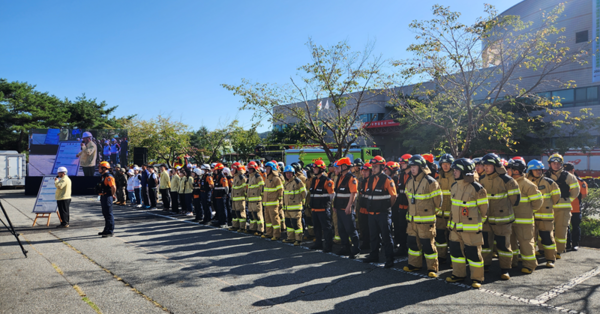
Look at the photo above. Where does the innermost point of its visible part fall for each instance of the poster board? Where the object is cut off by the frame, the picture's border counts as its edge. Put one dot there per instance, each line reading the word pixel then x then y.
pixel 66 156
pixel 45 202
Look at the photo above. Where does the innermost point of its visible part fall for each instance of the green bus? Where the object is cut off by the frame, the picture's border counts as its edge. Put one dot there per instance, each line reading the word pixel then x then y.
pixel 307 155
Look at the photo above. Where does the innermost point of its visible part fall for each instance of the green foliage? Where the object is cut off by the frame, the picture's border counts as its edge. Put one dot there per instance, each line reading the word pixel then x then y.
pixel 590 205
pixel 208 146
pixel 243 142
pixel 345 79
pixel 87 113
pixel 590 227
pixel 165 139
pixel 296 134
pixel 473 76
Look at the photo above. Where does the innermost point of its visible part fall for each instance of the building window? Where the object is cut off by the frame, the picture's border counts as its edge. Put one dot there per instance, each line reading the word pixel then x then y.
pixel 566 97
pixel 581 37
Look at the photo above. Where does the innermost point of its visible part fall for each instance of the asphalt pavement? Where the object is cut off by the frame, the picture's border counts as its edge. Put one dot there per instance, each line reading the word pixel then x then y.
pixel 159 263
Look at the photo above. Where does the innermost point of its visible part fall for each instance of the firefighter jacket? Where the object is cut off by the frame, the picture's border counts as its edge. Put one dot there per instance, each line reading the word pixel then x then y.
pixel 531 201
pixel 206 182
pixel 379 191
pixel 294 194
pixel 446 179
pixel 550 196
pixel 401 200
pixel 469 206
pixel 255 191
pixel 273 190
pixel 503 193
pixel 568 185
pixel 583 192
pixel 301 177
pixel 346 185
pixel 239 190
pixel 424 198
pixel 197 185
pixel 361 196
pixel 221 186
pixel 320 189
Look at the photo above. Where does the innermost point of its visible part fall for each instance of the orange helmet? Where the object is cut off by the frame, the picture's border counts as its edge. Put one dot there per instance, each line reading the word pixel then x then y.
pixel 105 164
pixel 404 158
pixel 319 164
pixel 428 157
pixel 378 160
pixel 392 165
pixel 253 165
pixel 366 166
pixel 237 166
pixel 344 161
pixel 219 166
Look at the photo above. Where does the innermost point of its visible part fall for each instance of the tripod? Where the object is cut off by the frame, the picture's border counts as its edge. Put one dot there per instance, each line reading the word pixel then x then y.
pixel 12 229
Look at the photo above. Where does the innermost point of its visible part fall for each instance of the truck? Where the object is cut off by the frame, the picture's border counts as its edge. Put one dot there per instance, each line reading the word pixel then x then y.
pixel 12 168
pixel 308 155
pixel 587 163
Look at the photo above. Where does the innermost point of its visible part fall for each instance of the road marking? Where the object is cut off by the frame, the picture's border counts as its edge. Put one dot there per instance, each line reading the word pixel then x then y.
pixel 567 286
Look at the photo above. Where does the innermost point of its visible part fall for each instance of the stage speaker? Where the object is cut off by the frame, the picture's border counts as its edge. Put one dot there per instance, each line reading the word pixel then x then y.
pixel 140 155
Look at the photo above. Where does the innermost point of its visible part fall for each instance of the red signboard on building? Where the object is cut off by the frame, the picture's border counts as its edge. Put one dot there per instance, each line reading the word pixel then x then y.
pixel 381 124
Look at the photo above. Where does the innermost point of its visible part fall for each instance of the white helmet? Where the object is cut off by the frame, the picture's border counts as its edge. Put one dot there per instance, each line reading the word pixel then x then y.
pixel 136 168
pixel 62 169
pixel 86 134
pixel 205 167
pixel 226 171
pixel 198 172
pixel 130 171
pixel 281 165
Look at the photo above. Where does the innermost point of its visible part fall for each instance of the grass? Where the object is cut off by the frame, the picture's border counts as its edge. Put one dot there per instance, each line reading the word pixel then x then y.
pixel 590 227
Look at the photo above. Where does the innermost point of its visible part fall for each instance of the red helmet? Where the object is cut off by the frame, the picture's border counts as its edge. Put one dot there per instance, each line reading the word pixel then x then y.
pixel 404 158
pixel 392 165
pixel 319 164
pixel 378 160
pixel 236 166
pixel 253 165
pixel 219 166
pixel 344 161
pixel 428 157
pixel 366 166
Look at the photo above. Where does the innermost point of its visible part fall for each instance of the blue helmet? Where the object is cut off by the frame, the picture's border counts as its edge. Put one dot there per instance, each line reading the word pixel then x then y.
pixel 535 165
pixel 272 165
pixel 289 168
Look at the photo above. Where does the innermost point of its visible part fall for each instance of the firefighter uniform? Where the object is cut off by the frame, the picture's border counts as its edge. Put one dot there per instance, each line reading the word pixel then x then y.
pixel 272 196
pixel 321 187
pixel 197 201
pixel 346 185
pixel 220 192
pixel 424 201
pixel 503 193
pixel 255 194
pixel 363 214
pixel 544 216
pixel 206 186
pixel 238 200
pixel 523 229
pixel 399 212
pixel 468 209
pixel 569 190
pixel 446 179
pixel 336 232
pixel 294 195
pixel 378 194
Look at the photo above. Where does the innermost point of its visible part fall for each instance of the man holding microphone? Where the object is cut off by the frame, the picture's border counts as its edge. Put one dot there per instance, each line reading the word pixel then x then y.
pixel 63 196
pixel 87 156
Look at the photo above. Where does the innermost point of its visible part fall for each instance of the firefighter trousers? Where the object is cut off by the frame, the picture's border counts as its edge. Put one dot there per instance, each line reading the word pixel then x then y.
pixel 522 241
pixel 421 241
pixel 257 223
pixel 465 248
pixel 500 234
pixel 347 228
pixel 272 221
pixel 308 222
pixel 441 236
pixel 323 228
pixel 562 219
pixel 544 230
pixel 239 217
pixel 293 223
pixel 336 232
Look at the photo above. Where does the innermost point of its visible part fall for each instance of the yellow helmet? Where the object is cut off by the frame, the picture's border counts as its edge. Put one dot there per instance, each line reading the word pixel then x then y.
pixel 105 164
pixel 556 158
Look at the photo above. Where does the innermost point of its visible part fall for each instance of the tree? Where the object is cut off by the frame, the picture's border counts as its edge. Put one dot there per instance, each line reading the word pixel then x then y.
pixel 336 77
pixel 243 142
pixel 207 146
pixel 471 71
pixel 297 134
pixel 165 139
pixel 23 109
pixel 87 113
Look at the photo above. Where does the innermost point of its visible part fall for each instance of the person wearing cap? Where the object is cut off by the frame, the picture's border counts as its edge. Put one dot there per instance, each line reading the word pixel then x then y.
pixel 107 190
pixel 87 155
pixel 131 183
pixel 321 194
pixel 63 196
pixel 569 191
pixel 165 187
pixel 174 191
pixel 400 208
pixel 574 235
pixel 380 194
pixel 346 189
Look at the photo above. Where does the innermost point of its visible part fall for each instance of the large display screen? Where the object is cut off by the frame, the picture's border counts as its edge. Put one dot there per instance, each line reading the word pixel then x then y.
pixel 76 150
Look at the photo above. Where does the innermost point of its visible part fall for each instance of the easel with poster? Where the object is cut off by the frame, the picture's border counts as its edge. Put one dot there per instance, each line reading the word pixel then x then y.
pixel 45 204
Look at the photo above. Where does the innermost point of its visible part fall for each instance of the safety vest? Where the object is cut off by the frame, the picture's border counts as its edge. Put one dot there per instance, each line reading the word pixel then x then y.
pixel 362 190
pixel 204 184
pixel 319 197
pixel 220 190
pixel 378 198
pixel 342 191
pixel 197 187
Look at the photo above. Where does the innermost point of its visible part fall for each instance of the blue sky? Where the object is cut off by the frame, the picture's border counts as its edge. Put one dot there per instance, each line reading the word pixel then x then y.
pixel 170 57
